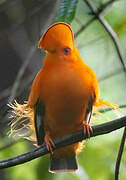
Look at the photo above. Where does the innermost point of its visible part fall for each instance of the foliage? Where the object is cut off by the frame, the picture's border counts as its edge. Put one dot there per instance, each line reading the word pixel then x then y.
pixel 66 11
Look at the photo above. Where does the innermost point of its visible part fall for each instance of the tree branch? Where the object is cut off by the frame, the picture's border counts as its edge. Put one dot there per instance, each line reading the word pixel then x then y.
pixel 109 109
pixel 119 157
pixel 84 26
pixel 98 12
pixel 24 83
pixel 20 74
pixel 64 141
pixel 106 5
pixel 109 30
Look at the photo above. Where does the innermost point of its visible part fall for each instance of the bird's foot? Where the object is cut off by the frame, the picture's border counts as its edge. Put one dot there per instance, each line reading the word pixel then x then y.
pixel 87 128
pixel 49 142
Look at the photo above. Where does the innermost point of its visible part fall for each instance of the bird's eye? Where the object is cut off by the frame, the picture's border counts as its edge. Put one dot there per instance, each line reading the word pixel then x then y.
pixel 67 50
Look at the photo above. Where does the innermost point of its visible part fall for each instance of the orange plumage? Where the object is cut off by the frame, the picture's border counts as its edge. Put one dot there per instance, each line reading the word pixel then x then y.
pixel 62 96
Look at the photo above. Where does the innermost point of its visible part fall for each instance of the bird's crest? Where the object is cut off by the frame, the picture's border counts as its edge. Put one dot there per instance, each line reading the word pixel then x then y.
pixel 57 35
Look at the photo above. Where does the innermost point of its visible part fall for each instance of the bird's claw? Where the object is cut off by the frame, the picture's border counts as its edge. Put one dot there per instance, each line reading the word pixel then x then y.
pixel 49 143
pixel 87 128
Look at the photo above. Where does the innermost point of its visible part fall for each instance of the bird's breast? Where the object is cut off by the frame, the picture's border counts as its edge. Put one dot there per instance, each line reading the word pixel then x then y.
pixel 65 92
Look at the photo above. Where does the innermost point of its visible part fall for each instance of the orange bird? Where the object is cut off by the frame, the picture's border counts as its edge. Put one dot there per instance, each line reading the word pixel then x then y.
pixel 61 98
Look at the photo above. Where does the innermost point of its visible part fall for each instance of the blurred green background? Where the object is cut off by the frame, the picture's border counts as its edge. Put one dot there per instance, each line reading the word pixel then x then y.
pixel 97 161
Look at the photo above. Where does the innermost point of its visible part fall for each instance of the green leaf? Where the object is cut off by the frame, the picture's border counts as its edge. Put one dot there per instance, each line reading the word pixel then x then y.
pixel 66 11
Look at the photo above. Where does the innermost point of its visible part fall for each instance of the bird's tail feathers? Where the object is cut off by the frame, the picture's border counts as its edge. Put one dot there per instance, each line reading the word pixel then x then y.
pixel 63 164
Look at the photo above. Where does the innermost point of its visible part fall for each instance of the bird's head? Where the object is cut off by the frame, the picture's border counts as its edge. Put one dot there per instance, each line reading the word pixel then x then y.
pixel 57 37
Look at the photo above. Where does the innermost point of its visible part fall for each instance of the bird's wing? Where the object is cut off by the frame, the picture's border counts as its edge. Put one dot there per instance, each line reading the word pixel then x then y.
pixel 89 110
pixel 39 121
